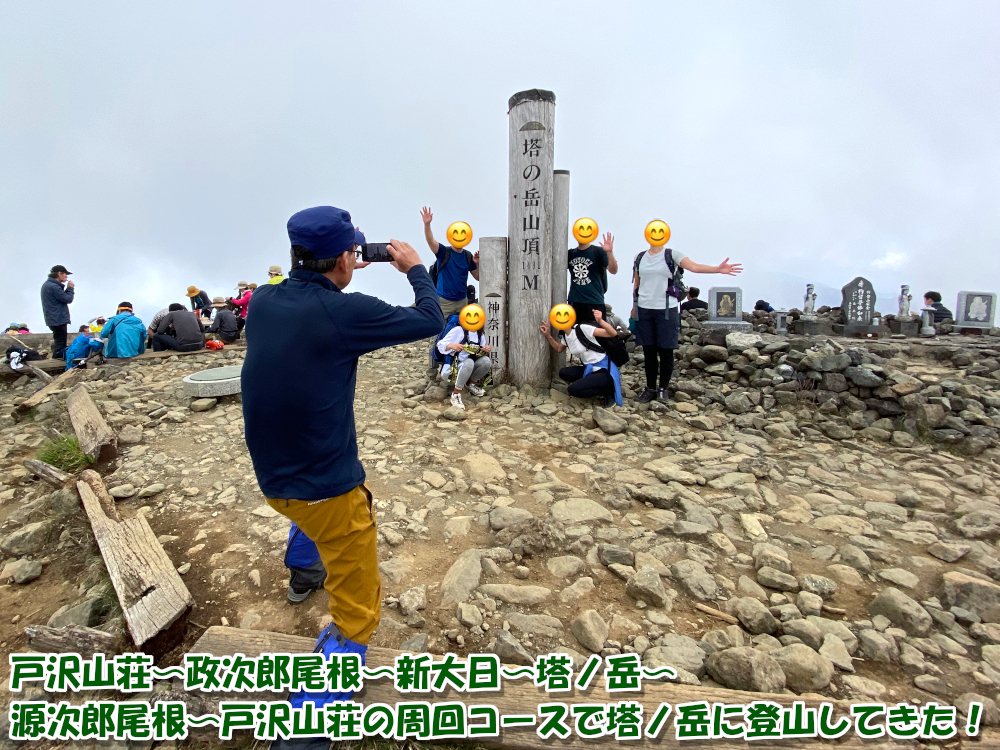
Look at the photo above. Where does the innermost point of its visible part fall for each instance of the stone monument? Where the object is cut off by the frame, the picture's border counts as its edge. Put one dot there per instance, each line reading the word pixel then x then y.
pixel 809 306
pixel 975 310
pixel 905 323
pixel 927 329
pixel 858 308
pixel 725 309
pixel 219 381
pixel 493 298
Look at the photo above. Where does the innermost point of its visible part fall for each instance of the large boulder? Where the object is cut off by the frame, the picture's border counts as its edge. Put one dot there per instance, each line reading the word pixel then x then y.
pixel 754 616
pixel 974 594
pixel 482 467
pixel 746 668
pixel 695 579
pixel 805 670
pixel 677 651
pixel 29 539
pixel 902 611
pixel 609 422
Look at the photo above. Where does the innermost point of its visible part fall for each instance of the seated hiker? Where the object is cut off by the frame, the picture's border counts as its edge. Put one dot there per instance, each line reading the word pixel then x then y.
pixel 598 376
pixel 226 323
pixel 941 313
pixel 153 324
pixel 187 328
pixel 12 328
pixel 242 302
pixel 199 299
pixel 124 334
pixel 96 324
pixel 692 302
pixel 465 350
pixel 83 346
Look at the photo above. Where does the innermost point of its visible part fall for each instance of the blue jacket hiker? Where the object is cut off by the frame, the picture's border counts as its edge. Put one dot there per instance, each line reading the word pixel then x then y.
pixel 124 334
pixel 304 338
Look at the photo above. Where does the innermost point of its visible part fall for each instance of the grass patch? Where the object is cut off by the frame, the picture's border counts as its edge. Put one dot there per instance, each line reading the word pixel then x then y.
pixel 65 453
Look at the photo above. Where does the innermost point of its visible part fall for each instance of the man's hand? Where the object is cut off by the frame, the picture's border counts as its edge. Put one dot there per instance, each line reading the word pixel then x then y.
pixel 404 257
pixel 598 316
pixel 426 215
pixel 454 347
pixel 475 257
pixel 730 269
pixel 608 243
pixel 544 328
pixel 70 284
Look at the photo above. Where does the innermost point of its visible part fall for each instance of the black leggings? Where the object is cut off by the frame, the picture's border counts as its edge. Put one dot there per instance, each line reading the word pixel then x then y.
pixel 598 383
pixel 666 358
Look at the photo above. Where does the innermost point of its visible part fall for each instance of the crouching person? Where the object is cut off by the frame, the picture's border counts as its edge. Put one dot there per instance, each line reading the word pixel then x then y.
pixel 465 349
pixel 304 338
pixel 598 375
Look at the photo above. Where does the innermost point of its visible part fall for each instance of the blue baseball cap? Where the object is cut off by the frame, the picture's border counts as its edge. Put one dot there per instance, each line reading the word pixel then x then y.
pixel 325 230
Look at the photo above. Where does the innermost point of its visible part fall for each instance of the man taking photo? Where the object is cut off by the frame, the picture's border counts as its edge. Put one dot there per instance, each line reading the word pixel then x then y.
pixel 304 338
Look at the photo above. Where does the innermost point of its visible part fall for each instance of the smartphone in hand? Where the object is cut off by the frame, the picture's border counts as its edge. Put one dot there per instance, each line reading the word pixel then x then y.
pixel 375 252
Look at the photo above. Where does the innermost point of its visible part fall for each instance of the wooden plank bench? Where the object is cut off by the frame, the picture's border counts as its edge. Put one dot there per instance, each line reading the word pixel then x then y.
pixel 522 697
pixel 152 595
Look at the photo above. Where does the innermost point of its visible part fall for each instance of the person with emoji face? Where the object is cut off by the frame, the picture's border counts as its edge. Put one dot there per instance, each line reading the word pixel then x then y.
pixel 657 289
pixel 452 265
pixel 468 342
pixel 598 375
pixel 589 267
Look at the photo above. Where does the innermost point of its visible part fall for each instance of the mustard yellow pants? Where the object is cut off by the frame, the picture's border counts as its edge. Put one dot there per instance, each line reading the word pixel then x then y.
pixel 343 529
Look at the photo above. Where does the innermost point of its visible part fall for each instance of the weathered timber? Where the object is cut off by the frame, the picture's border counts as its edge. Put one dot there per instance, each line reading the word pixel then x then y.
pixel 47 472
pixel 96 484
pixel 96 439
pixel 67 380
pixel 493 298
pixel 522 697
pixel 716 613
pixel 71 639
pixel 40 374
pixel 152 595
pixel 560 250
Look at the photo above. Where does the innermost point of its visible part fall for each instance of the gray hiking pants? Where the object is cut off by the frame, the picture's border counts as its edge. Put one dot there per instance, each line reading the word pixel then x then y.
pixel 472 370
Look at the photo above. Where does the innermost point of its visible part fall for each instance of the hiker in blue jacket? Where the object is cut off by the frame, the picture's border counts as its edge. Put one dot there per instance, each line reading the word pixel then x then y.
pixel 124 334
pixel 304 338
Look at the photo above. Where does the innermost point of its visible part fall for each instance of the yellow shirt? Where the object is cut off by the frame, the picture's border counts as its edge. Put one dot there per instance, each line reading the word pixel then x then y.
pixel 275 279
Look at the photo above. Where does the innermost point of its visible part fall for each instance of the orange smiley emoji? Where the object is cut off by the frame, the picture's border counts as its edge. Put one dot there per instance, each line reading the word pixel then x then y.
pixel 585 230
pixel 459 234
pixel 657 233
pixel 562 317
pixel 472 317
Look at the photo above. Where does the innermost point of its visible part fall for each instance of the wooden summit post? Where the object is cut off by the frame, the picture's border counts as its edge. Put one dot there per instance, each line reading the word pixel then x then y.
pixel 493 298
pixel 560 252
pixel 530 223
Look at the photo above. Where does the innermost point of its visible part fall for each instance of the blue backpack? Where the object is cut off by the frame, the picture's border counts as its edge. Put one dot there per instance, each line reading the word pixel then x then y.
pixel 445 359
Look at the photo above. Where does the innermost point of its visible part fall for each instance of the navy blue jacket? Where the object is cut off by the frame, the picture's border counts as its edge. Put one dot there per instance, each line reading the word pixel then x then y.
pixel 55 302
pixel 304 337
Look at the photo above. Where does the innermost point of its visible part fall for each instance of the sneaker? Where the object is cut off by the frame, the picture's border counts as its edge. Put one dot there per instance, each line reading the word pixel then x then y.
pixel 609 401
pixel 297 596
pixel 456 401
pixel 476 390
pixel 663 395
pixel 647 395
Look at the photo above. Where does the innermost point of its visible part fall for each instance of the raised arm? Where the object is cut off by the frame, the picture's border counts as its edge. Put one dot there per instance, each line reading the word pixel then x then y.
pixel 604 329
pixel 475 261
pixel 428 217
pixel 544 328
pixel 725 267
pixel 608 243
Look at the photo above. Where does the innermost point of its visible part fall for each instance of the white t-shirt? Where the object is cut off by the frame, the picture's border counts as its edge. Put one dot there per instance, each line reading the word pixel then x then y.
pixel 654 277
pixel 577 349
pixel 455 336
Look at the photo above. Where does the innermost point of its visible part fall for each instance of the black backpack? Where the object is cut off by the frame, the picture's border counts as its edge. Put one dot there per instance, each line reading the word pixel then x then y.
pixel 613 346
pixel 438 264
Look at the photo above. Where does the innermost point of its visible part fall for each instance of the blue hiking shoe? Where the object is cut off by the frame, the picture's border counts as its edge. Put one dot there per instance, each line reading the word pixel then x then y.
pixel 330 641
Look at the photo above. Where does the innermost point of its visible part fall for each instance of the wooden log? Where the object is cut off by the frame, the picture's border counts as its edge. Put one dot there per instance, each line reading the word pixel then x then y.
pixel 67 380
pixel 40 374
pixel 96 439
pixel 152 595
pixel 47 472
pixel 560 251
pixel 71 639
pixel 493 297
pixel 531 120
pixel 522 697
pixel 52 366
pixel 716 613
pixel 96 484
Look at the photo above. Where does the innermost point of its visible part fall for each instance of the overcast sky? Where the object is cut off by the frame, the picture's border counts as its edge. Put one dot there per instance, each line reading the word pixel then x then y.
pixel 149 146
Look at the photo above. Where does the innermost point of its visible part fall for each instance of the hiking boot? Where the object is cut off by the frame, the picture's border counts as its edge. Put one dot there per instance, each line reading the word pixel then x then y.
pixel 663 395
pixel 456 401
pixel 297 596
pixel 609 401
pixel 647 395
pixel 476 390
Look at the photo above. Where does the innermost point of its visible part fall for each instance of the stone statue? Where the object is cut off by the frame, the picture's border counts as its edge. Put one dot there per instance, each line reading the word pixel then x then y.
pixel 904 301
pixel 810 300
pixel 978 309
pixel 726 306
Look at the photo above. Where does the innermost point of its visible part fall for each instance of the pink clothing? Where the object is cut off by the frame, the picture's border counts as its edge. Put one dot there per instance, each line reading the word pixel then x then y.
pixel 243 302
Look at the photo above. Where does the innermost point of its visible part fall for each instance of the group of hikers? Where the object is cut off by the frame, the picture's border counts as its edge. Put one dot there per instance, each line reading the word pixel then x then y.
pixel 585 325
pixel 209 322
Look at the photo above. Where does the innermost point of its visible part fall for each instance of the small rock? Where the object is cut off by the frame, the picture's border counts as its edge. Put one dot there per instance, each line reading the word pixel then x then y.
pixel 902 611
pixel 805 670
pixel 21 571
pixel 590 630
pixel 646 586
pixel 746 668
pixel 203 404
pixel 834 649
pixel 510 650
